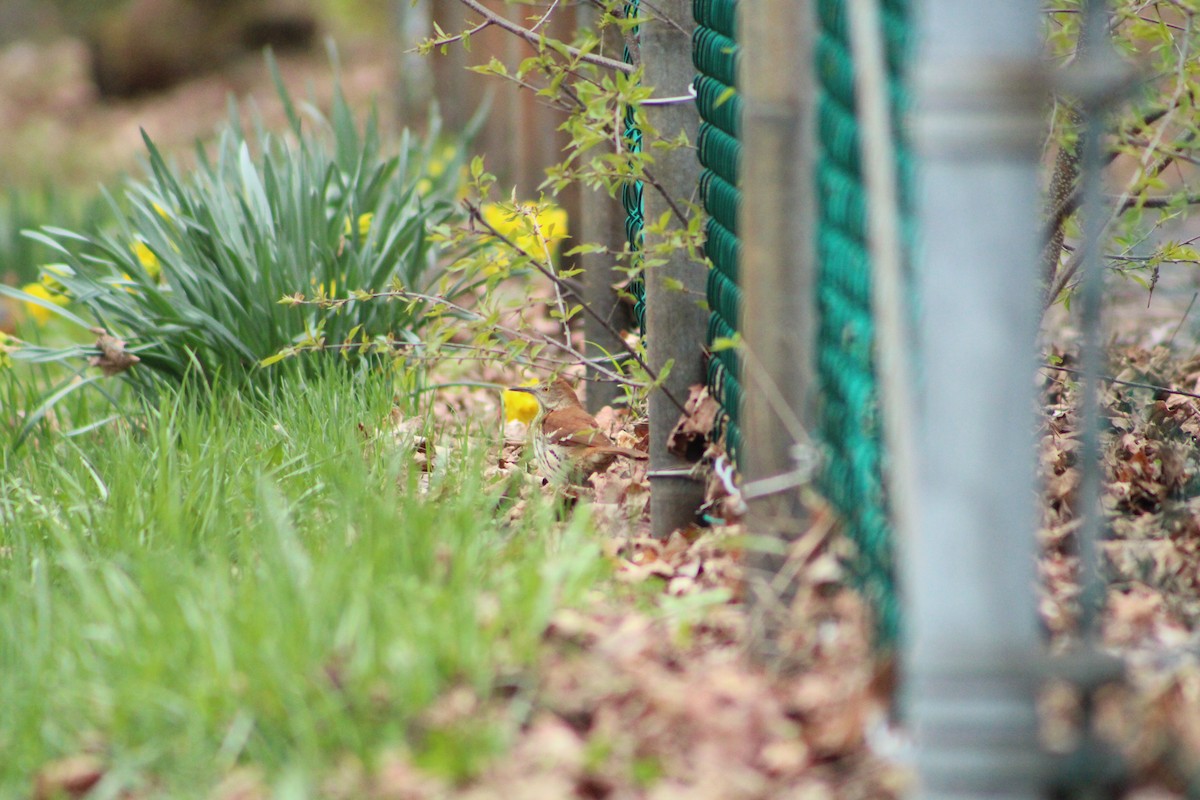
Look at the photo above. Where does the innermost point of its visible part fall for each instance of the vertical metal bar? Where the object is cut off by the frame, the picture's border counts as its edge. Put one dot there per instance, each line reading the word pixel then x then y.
pixel 675 320
pixel 776 224
pixel 972 640
pixel 1090 299
pixel 890 296
pixel 1094 769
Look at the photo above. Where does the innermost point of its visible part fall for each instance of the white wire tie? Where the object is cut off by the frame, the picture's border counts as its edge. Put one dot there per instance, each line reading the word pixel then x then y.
pixel 667 101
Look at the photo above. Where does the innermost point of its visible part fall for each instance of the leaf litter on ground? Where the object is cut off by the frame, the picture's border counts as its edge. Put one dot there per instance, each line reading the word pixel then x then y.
pixel 1150 465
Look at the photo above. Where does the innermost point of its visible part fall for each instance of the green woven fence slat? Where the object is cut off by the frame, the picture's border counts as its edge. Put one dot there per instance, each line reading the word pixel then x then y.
pixel 852 475
pixel 724 297
pixel 847 327
pixel 722 248
pixel 837 128
pixel 720 199
pixel 631 191
pixel 732 362
pixel 851 272
pixel 724 385
pixel 715 55
pixel 729 389
pixel 835 69
pixel 843 202
pixel 719 151
pixel 720 15
pixel 896 30
pixel 719 104
pixel 721 329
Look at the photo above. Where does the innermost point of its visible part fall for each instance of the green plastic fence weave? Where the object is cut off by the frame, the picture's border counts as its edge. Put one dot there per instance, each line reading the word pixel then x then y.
pixel 631 192
pixel 850 423
pixel 715 55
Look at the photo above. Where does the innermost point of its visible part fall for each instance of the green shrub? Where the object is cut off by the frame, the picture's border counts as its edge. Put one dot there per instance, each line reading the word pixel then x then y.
pixel 192 273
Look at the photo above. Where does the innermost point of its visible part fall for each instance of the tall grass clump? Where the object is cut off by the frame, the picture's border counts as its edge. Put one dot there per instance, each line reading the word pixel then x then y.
pixel 191 274
pixel 284 584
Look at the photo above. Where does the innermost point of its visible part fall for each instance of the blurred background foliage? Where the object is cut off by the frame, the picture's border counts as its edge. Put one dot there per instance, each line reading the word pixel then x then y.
pixel 80 80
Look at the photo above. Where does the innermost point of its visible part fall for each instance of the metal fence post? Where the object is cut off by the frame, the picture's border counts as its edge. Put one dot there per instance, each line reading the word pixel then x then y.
pixel 675 320
pixel 972 641
pixel 776 227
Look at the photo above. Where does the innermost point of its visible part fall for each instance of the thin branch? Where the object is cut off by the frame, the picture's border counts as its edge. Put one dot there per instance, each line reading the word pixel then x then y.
pixel 1158 202
pixel 477 216
pixel 1119 382
pixel 544 17
pixel 1067 205
pixel 659 16
pixel 457 37
pixel 559 300
pixel 477 353
pixel 537 40
pixel 527 336
pixel 1067 273
pixel 666 196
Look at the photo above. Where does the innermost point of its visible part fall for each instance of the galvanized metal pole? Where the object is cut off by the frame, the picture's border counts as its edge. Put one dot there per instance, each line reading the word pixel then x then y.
pixel 972 644
pixel 776 226
pixel 675 320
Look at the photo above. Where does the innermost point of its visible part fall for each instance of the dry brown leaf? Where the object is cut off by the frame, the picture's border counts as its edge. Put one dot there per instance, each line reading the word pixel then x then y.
pixel 72 776
pixel 113 358
pixel 690 436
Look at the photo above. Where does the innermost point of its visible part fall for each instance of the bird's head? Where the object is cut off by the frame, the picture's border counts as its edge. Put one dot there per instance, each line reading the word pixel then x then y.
pixel 552 395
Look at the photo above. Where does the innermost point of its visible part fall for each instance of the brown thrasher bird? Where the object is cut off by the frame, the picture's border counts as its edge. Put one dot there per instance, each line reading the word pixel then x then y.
pixel 567 441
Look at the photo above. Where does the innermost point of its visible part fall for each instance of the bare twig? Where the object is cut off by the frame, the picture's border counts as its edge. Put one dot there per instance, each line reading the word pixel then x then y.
pixel 1119 382
pixel 1067 273
pixel 458 37
pixel 1157 202
pixel 544 17
pixel 525 336
pixel 537 40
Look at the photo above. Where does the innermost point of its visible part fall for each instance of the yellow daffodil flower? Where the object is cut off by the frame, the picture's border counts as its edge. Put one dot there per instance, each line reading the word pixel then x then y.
pixel 147 258
pixel 364 225
pixel 321 291
pixel 549 223
pixel 520 406
pixel 41 315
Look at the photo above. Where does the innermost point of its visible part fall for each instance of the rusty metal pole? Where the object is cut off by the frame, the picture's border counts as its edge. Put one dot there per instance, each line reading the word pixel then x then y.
pixel 675 319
